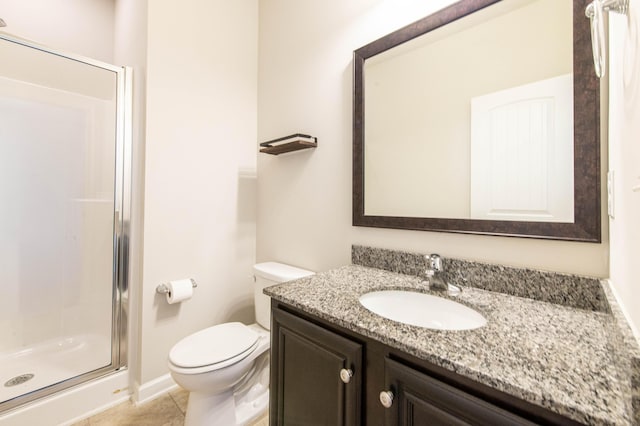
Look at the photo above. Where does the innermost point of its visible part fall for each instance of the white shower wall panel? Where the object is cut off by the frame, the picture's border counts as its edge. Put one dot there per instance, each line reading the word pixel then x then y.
pixel 87 301
pixel 57 216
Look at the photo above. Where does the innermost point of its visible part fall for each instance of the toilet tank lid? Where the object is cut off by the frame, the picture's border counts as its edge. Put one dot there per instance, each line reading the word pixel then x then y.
pixel 279 272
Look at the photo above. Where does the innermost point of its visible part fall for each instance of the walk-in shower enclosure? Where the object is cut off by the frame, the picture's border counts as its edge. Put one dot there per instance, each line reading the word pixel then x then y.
pixel 64 214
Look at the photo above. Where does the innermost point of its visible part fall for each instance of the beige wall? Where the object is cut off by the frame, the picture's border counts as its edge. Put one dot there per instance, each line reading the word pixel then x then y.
pixel 77 26
pixel 304 199
pixel 624 159
pixel 199 201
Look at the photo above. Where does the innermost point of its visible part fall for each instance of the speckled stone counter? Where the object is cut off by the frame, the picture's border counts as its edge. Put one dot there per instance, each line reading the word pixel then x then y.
pixel 559 357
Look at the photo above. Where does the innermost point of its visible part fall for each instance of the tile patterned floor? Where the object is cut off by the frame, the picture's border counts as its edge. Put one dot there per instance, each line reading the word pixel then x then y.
pixel 166 410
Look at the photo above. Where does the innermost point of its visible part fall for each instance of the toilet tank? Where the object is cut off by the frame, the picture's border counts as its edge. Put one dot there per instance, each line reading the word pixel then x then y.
pixel 267 274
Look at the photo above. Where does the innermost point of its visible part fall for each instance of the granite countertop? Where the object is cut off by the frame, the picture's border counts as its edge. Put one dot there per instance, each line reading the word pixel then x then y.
pixel 561 358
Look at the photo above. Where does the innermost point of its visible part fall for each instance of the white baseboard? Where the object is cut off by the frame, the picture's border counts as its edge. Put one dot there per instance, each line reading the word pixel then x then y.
pixel 152 389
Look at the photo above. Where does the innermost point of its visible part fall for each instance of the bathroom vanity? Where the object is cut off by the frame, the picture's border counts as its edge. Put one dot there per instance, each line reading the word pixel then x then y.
pixel 534 362
pixel 323 374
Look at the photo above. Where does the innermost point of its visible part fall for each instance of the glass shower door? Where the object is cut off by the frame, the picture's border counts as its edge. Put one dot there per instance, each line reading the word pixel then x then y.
pixel 61 168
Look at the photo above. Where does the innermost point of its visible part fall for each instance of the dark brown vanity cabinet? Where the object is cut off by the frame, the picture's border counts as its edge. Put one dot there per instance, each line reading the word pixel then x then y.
pixel 316 375
pixel 414 398
pixel 322 374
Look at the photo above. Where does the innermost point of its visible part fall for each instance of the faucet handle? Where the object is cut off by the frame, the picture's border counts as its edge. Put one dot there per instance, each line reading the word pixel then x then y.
pixel 435 262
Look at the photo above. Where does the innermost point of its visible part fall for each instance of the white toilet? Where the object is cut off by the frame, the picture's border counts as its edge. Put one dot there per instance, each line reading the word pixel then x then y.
pixel 225 368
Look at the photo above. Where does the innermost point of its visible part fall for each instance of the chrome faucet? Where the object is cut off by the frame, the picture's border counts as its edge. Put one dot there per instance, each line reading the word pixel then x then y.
pixel 434 275
pixel 434 269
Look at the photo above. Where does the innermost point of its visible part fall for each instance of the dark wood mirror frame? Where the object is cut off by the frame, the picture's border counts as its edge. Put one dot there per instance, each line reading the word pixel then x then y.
pixel 587 222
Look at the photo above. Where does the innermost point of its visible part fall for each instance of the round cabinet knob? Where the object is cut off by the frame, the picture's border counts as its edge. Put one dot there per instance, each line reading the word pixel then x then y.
pixel 386 398
pixel 346 375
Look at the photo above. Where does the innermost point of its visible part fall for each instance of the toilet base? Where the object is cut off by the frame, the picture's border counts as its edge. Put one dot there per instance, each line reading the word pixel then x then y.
pixel 212 410
pixel 225 409
pixel 253 406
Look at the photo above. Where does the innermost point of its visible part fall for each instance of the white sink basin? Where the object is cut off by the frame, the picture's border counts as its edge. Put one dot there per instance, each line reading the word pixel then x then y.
pixel 423 310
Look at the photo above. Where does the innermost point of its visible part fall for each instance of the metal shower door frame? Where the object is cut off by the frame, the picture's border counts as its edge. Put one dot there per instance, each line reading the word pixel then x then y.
pixel 121 228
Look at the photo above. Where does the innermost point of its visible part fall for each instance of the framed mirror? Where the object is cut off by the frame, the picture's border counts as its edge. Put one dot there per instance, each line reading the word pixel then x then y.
pixel 482 118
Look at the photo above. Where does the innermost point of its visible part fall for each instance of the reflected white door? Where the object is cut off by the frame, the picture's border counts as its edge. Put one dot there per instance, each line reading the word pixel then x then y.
pixel 522 153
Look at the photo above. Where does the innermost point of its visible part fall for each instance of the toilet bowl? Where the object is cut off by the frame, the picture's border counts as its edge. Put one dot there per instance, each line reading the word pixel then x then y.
pixel 213 382
pixel 225 367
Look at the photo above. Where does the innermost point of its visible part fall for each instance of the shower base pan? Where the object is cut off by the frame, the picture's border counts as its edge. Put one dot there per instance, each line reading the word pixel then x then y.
pixel 35 367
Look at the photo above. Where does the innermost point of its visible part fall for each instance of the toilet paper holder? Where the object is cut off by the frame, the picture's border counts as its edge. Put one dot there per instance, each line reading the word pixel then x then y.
pixel 163 289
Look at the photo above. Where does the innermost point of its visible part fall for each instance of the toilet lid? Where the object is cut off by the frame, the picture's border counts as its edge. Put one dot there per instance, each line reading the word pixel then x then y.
pixel 213 345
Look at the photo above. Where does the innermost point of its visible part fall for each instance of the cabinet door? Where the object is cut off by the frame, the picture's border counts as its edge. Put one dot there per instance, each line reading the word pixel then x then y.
pixel 418 399
pixel 306 384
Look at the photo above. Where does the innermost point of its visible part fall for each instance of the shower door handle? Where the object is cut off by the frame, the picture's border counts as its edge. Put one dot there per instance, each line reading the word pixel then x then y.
pixel 117 226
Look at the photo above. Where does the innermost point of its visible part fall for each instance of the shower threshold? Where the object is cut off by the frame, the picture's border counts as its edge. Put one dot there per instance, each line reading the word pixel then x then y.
pixel 35 367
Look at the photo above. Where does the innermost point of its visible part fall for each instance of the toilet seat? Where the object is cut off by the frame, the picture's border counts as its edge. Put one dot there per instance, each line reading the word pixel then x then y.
pixel 213 348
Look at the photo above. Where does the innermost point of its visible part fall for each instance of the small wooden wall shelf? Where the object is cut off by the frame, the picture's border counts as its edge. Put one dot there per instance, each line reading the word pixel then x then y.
pixel 289 143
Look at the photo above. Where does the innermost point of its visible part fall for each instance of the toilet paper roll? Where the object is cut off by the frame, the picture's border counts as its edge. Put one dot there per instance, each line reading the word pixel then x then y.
pixel 179 290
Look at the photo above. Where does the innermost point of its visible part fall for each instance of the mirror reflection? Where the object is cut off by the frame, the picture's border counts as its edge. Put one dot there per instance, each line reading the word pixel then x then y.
pixel 475 119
